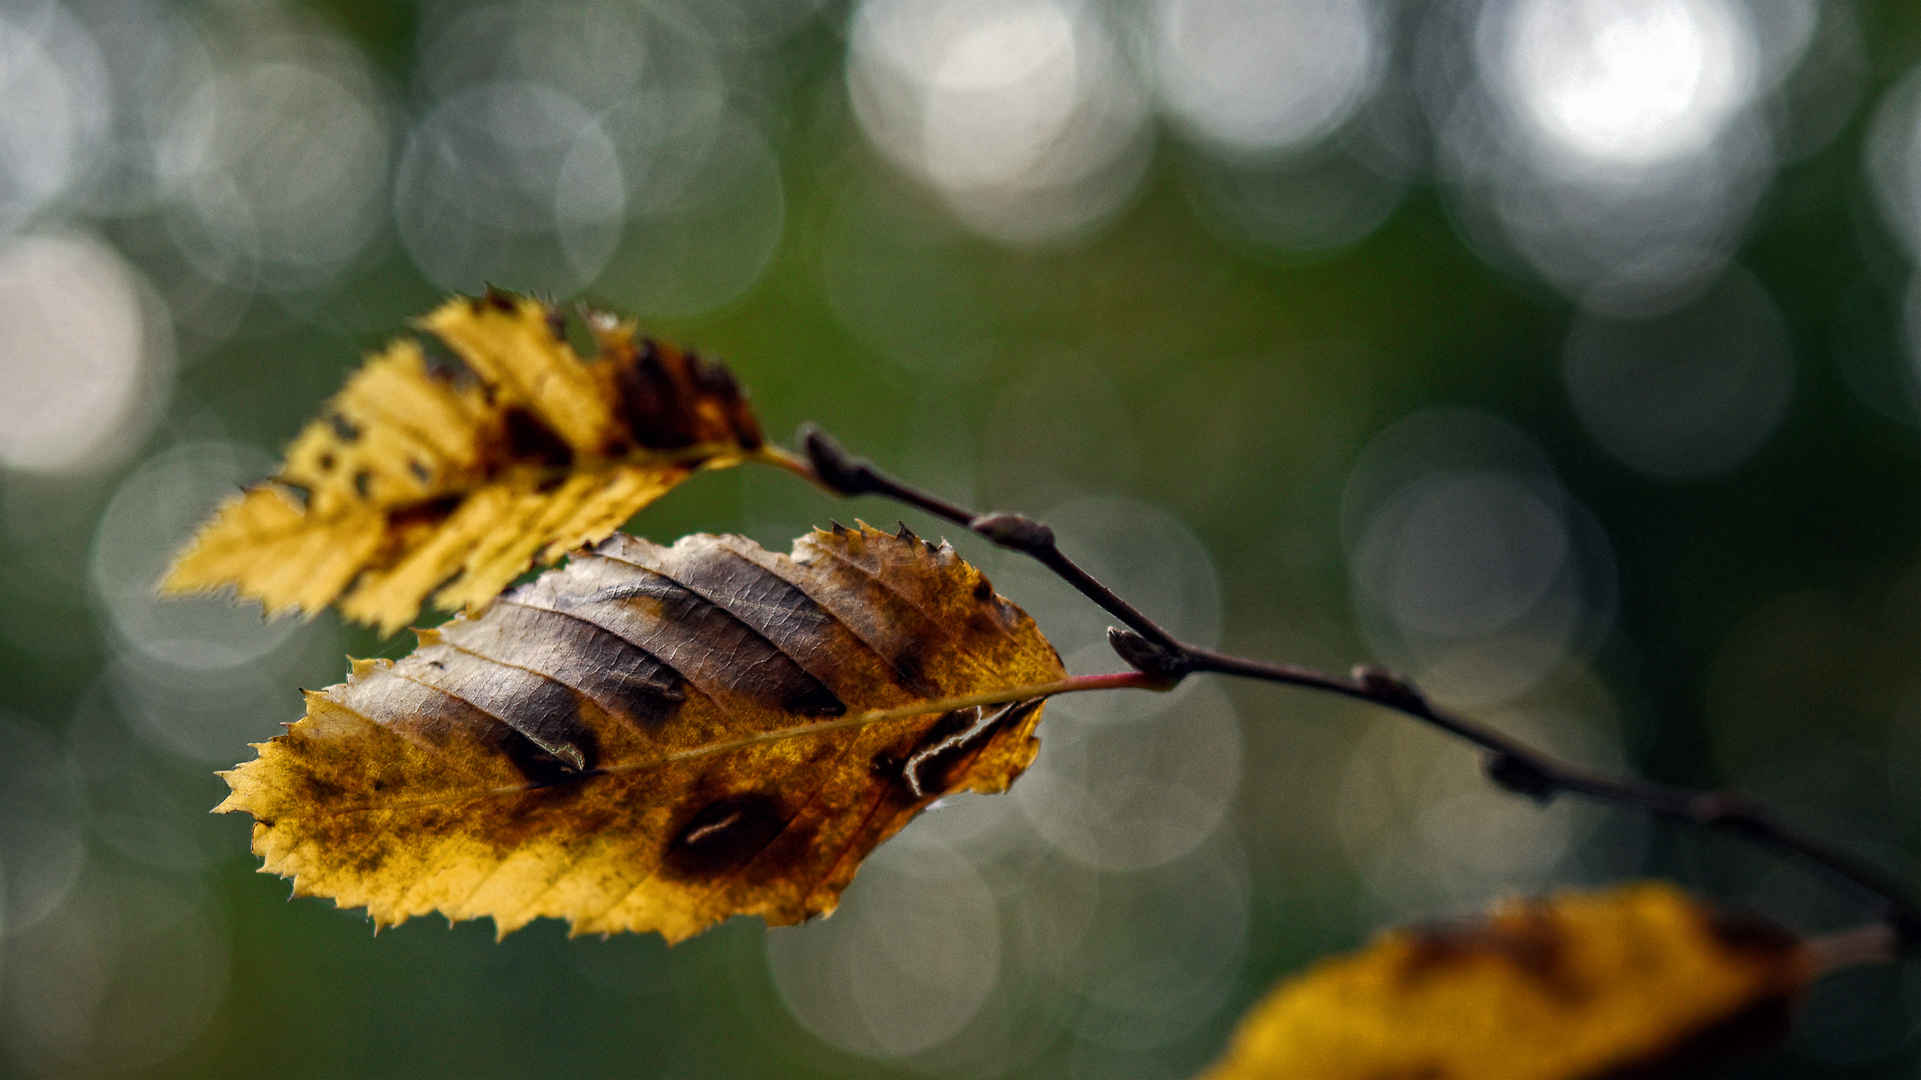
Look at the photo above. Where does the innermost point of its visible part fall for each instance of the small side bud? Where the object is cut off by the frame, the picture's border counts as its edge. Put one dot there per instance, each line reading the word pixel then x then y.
pixel 1144 656
pixel 1016 531
pixel 832 464
pixel 1521 776
pixel 1388 688
pixel 1729 810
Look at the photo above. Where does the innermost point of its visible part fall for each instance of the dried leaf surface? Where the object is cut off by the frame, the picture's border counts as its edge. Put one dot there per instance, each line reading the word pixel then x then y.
pixel 1640 980
pixel 452 478
pixel 653 738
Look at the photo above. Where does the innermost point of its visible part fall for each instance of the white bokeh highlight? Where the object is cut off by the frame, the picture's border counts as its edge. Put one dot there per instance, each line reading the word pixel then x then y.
pixel 1025 116
pixel 273 151
pixel 1135 793
pixel 602 146
pixel 199 675
pixel 59 106
pixel 1472 569
pixel 1690 393
pixel 1615 149
pixel 85 357
pixel 1262 78
pixel 907 960
pixel 1628 82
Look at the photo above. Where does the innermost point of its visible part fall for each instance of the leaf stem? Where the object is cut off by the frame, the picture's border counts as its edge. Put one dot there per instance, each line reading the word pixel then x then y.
pixel 1119 680
pixel 1510 763
pixel 1875 943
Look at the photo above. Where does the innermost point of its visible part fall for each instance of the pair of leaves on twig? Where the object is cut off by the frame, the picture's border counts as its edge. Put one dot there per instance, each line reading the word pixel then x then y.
pixel 654 738
pixel 647 739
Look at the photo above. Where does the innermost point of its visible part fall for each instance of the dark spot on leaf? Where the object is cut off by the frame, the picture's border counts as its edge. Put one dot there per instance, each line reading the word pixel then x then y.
pixel 530 439
pixel 983 591
pixel 651 401
pixel 326 462
pixel 540 767
pixel 1756 1029
pixel 717 384
pixel 1533 944
pixel 815 700
pixel 499 300
pixel 886 765
pixel 342 428
pixel 363 482
pixel 551 717
pixel 725 835
pixel 430 512
pixel 420 471
pixel 367 858
pixel 316 791
pixel 940 755
pixel 911 668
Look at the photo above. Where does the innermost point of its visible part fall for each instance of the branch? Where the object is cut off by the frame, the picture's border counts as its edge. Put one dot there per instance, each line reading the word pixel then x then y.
pixel 844 474
pixel 1875 943
pixel 1510 764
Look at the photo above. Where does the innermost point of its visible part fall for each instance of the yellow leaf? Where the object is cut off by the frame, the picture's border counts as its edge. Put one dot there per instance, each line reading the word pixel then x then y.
pixel 433 479
pixel 655 738
pixel 1636 980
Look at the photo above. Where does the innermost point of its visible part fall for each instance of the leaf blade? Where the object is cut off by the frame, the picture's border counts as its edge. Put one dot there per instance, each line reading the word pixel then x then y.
pixel 427 481
pixel 647 739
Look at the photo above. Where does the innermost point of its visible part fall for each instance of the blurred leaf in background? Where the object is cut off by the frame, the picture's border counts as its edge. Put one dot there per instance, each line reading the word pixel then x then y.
pixel 1637 980
pixel 1555 353
pixel 453 474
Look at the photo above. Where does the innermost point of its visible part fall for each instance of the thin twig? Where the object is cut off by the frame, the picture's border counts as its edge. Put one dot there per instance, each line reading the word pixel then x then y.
pixel 845 474
pixel 1510 764
pixel 1874 943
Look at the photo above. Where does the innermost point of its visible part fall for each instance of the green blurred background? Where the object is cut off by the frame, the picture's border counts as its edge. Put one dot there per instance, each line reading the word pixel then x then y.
pixel 1558 354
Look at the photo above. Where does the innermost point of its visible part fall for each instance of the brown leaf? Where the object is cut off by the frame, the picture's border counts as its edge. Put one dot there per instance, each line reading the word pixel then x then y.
pixel 655 738
pixel 1636 981
pixel 437 478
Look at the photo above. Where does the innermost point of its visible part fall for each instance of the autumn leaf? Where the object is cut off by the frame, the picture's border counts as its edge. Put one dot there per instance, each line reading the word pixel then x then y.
pixel 451 478
pixel 654 738
pixel 1640 980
